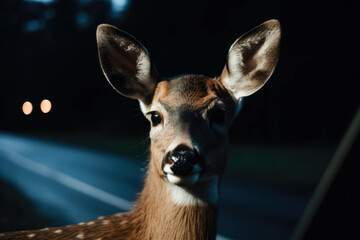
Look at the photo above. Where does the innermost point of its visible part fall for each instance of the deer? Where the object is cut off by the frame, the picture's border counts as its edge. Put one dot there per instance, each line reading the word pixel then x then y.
pixel 190 116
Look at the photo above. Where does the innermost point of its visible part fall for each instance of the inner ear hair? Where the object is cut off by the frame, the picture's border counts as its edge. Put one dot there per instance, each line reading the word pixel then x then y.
pixel 252 59
pixel 126 63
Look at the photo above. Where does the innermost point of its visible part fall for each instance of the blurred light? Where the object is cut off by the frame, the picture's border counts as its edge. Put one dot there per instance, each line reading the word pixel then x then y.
pixel 27 108
pixel 82 19
pixel 45 106
pixel 40 1
pixel 118 5
pixel 34 25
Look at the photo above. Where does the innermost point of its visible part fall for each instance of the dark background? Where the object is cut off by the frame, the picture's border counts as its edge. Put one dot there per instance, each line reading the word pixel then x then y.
pixel 293 124
pixel 49 51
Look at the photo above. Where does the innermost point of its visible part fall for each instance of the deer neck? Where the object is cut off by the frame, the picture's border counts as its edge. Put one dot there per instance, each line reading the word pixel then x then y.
pixel 167 211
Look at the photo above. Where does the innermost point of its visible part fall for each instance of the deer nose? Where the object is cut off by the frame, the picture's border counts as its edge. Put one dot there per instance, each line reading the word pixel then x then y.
pixel 183 161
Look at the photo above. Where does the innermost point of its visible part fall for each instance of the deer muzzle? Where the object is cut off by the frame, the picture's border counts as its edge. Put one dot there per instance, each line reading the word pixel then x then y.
pixel 183 162
pixel 182 165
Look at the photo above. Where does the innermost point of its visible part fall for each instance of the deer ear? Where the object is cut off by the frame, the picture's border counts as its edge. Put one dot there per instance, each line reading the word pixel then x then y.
pixel 252 59
pixel 126 63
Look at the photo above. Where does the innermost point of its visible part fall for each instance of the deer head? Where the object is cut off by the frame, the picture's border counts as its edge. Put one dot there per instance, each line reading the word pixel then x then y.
pixel 190 115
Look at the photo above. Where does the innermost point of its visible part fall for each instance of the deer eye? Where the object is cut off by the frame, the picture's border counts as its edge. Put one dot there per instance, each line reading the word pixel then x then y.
pixel 155 118
pixel 218 116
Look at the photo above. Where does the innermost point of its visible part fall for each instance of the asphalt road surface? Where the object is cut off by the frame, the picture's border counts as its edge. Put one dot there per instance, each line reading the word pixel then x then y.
pixel 70 185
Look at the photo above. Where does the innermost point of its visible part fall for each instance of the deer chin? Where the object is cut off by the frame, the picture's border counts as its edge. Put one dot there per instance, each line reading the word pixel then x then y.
pixel 182 180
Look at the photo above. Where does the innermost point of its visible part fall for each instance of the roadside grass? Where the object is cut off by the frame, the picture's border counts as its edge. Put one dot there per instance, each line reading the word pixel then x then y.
pixel 17 212
pixel 296 164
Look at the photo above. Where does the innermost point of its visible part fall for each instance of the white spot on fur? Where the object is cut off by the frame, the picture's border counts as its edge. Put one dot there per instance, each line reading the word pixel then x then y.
pixel 188 180
pixel 143 67
pixel 235 61
pixel 105 222
pixel 58 231
pixel 203 193
pixel 80 236
pixel 31 235
pixel 127 45
pixel 143 107
pixel 130 47
pixel 90 223
pixel 100 218
pixel 82 223
pixel 44 229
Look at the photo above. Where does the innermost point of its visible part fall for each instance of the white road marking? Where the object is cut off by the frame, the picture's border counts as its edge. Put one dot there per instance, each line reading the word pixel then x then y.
pixel 68 181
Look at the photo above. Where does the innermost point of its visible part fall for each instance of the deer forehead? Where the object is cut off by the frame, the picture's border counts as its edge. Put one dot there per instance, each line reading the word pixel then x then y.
pixel 194 91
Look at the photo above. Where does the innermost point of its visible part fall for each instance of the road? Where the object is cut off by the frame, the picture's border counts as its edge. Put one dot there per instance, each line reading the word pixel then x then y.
pixel 72 184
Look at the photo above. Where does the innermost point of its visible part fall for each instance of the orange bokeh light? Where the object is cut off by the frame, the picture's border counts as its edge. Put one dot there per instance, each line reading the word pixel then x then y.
pixel 45 106
pixel 27 108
